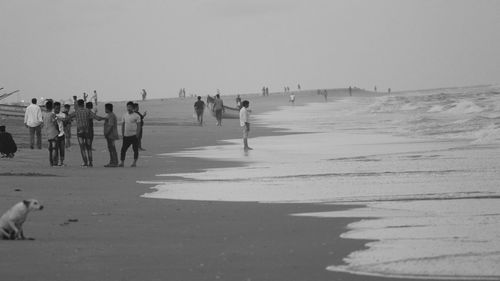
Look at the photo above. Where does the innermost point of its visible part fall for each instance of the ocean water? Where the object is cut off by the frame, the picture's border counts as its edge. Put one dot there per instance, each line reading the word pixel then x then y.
pixel 425 164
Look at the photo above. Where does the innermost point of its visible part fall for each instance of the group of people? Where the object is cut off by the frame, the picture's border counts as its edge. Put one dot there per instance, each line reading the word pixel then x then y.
pixel 57 127
pixel 218 109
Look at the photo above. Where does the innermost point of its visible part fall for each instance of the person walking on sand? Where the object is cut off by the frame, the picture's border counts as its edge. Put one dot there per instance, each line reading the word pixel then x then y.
pixel 61 137
pixel 89 106
pixel 218 108
pixel 199 108
pixel 245 123
pixel 82 116
pixel 238 101
pixel 292 98
pixel 143 115
pixel 144 94
pixel 67 125
pixel 94 97
pixel 33 121
pixel 8 146
pixel 51 131
pixel 111 134
pixel 131 127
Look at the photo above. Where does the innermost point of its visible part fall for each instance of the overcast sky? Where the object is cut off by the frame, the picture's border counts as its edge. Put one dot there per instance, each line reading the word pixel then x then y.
pixel 60 48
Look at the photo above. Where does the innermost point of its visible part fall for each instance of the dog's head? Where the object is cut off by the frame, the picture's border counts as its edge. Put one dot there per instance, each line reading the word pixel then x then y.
pixel 33 204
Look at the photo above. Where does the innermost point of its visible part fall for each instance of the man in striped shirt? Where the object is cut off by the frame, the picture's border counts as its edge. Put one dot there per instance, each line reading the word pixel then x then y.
pixel 83 116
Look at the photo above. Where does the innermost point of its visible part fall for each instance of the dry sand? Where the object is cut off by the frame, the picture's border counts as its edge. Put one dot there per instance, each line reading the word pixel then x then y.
pixel 97 227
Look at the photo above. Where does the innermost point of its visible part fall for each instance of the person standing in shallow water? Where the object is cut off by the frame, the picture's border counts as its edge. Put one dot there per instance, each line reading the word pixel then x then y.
pixel 245 123
pixel 131 127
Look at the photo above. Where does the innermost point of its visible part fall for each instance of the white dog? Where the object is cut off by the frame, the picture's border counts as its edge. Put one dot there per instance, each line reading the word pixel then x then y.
pixel 11 223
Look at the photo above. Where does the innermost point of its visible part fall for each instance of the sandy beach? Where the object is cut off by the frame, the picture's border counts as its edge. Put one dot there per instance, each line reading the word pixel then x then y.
pixel 97 227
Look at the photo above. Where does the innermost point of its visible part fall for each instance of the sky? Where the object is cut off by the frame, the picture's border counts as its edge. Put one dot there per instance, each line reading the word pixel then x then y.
pixel 61 48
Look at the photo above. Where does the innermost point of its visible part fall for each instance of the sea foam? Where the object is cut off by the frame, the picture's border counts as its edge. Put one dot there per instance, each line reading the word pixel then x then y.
pixel 430 188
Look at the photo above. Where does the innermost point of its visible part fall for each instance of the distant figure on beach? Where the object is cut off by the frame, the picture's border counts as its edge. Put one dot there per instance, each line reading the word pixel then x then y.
pixel 292 98
pixel 33 121
pixel 82 116
pixel 298 87
pixel 111 134
pixel 267 91
pixel 325 94
pixel 199 108
pixel 350 91
pixel 94 97
pixel 389 90
pixel 85 96
pixel 375 88
pixel 245 123
pixel 218 108
pixel 89 106
pixel 143 115
pixel 67 125
pixel 131 129
pixel 8 146
pixel 144 94
pixel 60 138
pixel 238 101
pixel 51 131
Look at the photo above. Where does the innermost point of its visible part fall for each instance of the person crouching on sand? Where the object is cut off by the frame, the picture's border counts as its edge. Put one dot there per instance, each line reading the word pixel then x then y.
pixel 131 129
pixel 7 144
pixel 245 123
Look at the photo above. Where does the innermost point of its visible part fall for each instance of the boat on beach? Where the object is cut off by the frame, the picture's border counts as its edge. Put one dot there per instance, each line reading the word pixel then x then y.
pixel 15 110
pixel 228 113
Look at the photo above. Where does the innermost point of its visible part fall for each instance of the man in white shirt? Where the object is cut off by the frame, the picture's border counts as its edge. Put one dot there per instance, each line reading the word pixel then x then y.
pixel 245 123
pixel 131 129
pixel 33 121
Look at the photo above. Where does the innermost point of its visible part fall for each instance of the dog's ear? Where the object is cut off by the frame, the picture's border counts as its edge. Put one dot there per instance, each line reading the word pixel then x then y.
pixel 26 203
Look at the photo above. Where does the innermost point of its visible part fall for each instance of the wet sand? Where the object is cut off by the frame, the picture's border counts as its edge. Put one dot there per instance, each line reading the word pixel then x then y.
pixel 95 225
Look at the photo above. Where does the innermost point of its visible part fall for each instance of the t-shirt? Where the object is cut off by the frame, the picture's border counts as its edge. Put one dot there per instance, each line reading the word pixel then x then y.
pixel 131 121
pixel 218 104
pixel 60 123
pixel 199 105
pixel 111 126
pixel 33 116
pixel 244 116
pixel 50 125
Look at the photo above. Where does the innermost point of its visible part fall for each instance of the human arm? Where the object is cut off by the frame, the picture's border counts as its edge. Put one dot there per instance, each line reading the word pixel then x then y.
pixel 139 127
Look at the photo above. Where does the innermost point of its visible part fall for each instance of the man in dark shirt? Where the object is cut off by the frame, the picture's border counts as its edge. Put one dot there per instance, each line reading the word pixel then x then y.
pixel 7 145
pixel 143 115
pixel 199 107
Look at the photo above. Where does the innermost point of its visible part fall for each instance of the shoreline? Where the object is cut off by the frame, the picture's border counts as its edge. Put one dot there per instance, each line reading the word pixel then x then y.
pixel 120 235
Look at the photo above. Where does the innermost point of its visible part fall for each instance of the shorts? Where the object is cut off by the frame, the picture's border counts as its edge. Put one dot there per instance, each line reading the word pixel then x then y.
pixel 245 132
pixel 83 134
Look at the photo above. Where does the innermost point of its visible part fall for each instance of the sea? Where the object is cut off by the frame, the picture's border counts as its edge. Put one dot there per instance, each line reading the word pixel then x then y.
pixel 424 166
